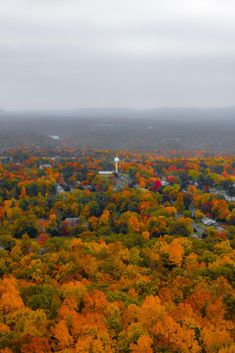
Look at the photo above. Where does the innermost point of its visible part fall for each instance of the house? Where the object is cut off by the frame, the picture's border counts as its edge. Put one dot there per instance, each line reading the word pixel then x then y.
pixel 45 166
pixel 68 226
pixel 208 221
pixel 196 236
pixel 72 221
pixel 105 172
pixel 164 182
pixel 59 189
pixel 219 228
pixel 229 198
pixel 87 187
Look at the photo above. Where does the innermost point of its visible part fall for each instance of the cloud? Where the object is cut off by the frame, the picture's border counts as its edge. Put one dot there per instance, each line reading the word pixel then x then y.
pixel 69 53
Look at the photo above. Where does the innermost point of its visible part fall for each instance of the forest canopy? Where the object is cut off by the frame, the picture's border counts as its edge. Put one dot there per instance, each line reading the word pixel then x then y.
pixel 140 261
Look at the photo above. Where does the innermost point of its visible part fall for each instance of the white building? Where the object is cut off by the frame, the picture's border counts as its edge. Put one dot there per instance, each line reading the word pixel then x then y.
pixel 208 221
pixel 59 189
pixel 105 172
pixel 45 166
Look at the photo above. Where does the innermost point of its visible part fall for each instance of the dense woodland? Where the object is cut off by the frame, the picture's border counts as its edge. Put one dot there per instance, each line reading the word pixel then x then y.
pixel 136 262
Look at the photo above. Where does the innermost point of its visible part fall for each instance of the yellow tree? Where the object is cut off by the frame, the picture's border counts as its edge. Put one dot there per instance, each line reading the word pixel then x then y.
pixel 10 300
pixel 175 252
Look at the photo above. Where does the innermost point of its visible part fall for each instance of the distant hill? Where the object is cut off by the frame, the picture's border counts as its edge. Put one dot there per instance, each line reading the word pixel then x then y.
pixel 183 113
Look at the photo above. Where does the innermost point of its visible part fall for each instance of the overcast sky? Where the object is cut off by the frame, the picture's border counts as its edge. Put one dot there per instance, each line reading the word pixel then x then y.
pixel 66 54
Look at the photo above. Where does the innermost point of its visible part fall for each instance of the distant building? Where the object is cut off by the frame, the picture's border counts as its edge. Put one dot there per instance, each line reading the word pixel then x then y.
pixel 45 166
pixel 208 221
pixel 59 189
pixel 87 187
pixel 223 193
pixel 55 158
pixel 230 198
pixel 219 228
pixel 164 182
pixel 105 172
pixel 72 221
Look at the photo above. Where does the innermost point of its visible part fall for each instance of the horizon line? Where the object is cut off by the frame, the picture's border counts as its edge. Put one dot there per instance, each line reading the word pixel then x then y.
pixel 48 110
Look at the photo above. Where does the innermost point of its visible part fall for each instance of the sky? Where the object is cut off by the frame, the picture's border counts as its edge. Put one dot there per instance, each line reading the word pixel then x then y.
pixel 67 54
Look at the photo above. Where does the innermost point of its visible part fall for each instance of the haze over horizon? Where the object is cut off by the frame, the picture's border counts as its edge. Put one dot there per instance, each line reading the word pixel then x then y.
pixel 120 109
pixel 65 55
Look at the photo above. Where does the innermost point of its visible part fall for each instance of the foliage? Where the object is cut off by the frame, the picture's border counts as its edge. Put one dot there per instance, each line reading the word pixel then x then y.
pixel 116 264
